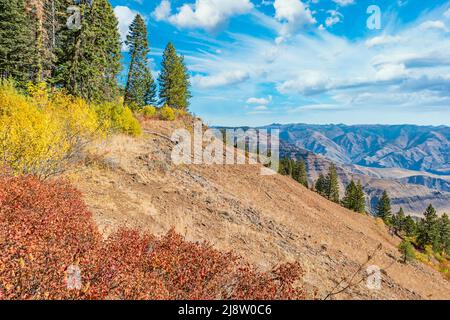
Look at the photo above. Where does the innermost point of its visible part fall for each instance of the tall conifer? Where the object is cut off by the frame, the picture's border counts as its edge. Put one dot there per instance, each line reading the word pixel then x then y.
pixel 140 89
pixel 174 80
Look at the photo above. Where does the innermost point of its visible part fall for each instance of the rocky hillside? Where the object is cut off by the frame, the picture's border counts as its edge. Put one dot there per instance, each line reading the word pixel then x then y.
pixel 267 219
pixel 420 148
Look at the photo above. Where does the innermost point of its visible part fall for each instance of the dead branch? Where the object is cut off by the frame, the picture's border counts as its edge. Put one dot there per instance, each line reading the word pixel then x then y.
pixel 350 282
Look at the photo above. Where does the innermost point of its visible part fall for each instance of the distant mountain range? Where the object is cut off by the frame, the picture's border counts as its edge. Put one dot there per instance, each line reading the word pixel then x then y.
pixel 411 190
pixel 411 162
pixel 419 148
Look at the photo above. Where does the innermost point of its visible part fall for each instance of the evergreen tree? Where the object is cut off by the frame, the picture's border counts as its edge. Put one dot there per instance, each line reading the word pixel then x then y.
pixel 89 58
pixel 350 196
pixel 332 184
pixel 16 41
pixel 299 173
pixel 286 167
pixel 321 186
pixel 398 221
pixel 444 234
pixel 354 198
pixel 383 208
pixel 174 80
pixel 410 226
pixel 140 89
pixel 360 199
pixel 407 251
pixel 302 173
pixel 428 229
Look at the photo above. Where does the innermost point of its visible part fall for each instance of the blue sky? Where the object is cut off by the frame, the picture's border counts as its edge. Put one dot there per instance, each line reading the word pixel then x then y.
pixel 256 62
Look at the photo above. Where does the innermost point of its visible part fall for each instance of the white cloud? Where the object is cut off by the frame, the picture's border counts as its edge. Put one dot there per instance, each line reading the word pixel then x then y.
pixel 260 108
pixel 294 14
pixel 407 66
pixel 344 2
pixel 390 71
pixel 125 16
pixel 334 18
pixel 306 83
pixel 221 79
pixel 259 100
pixel 162 12
pixel 433 24
pixel 204 14
pixel 447 14
pixel 382 40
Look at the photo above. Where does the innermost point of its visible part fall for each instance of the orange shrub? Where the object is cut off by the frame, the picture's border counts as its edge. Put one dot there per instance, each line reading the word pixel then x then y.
pixel 45 229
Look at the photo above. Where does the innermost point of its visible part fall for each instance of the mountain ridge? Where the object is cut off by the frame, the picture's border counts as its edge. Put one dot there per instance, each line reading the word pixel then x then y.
pixel 413 147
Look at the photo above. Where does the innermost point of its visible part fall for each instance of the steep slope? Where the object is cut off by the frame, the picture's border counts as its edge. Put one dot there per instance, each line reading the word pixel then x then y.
pixel 266 219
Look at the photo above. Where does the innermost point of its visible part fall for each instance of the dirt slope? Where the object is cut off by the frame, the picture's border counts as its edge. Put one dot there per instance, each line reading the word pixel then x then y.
pixel 266 219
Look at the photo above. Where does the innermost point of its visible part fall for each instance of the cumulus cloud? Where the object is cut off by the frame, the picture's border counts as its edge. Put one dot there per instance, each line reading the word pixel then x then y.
pixel 407 66
pixel 334 18
pixel 221 79
pixel 307 83
pixel 125 16
pixel 261 101
pixel 294 14
pixel 204 14
pixel 163 10
pixel 433 24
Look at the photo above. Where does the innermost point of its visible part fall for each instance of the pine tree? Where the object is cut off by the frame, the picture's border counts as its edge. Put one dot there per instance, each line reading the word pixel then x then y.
pixel 302 173
pixel 16 41
pixel 383 208
pixel 444 234
pixel 350 196
pixel 354 198
pixel 89 58
pixel 428 229
pixel 285 168
pixel 174 80
pixel 321 186
pixel 332 184
pixel 140 89
pixel 410 226
pixel 360 198
pixel 398 221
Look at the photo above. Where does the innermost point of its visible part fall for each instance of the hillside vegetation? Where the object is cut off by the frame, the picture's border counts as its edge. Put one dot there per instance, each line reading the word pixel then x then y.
pixel 267 219
pixel 46 231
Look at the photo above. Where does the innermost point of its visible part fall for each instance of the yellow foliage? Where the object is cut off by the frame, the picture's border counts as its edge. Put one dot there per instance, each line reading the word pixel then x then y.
pixel 167 113
pixel 41 133
pixel 179 113
pixel 149 111
pixel 119 118
pixel 128 123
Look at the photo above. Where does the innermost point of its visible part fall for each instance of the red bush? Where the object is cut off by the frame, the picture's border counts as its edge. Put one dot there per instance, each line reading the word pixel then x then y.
pixel 45 230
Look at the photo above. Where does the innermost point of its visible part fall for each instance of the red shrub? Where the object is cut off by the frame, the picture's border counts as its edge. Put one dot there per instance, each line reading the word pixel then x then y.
pixel 45 230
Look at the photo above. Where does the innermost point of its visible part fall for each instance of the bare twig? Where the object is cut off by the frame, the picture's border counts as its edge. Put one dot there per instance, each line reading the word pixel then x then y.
pixel 352 277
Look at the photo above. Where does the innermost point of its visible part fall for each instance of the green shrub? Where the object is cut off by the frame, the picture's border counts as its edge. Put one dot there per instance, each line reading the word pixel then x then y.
pixel 149 111
pixel 167 113
pixel 407 251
